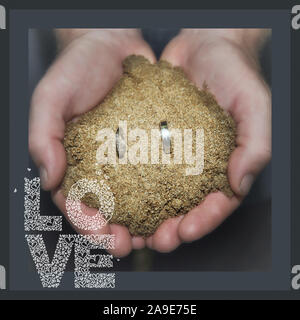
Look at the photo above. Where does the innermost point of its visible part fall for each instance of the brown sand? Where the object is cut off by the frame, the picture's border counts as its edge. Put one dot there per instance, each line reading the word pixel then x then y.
pixel 147 194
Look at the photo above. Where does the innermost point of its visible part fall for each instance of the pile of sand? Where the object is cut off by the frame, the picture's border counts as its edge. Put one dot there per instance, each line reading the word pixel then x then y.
pixel 147 194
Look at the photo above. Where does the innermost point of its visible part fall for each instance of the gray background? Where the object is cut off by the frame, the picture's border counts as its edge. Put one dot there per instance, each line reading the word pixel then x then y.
pixel 243 242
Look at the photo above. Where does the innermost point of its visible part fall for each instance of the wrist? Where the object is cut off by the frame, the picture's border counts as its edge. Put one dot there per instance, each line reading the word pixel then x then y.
pixel 66 36
pixel 113 36
pixel 250 40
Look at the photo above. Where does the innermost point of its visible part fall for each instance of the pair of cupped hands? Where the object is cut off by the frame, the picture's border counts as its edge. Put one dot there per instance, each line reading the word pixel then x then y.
pixel 90 63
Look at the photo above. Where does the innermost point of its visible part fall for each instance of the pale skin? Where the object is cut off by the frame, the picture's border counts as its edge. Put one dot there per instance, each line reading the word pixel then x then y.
pixel 90 63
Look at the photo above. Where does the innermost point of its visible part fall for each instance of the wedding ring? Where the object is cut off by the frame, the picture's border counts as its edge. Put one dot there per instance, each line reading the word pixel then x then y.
pixel 166 137
pixel 120 143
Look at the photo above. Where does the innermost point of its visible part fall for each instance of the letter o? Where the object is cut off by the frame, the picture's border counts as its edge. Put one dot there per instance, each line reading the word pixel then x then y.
pixel 73 207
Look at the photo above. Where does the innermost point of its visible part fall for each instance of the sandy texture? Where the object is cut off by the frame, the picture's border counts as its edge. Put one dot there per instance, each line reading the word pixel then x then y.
pixel 147 194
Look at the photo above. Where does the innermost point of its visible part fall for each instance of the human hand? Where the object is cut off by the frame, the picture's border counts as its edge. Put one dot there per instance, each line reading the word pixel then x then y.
pixel 227 61
pixel 89 64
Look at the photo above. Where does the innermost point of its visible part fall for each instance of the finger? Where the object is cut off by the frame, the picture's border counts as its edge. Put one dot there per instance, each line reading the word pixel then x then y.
pixel 60 201
pixel 175 52
pixel 253 117
pixel 166 237
pixel 204 218
pixel 149 242
pixel 122 245
pixel 138 243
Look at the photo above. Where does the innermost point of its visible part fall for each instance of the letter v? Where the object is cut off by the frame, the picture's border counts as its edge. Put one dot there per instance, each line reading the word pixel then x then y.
pixel 50 273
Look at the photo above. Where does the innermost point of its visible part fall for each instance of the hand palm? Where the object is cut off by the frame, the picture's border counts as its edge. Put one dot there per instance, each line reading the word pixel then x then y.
pixel 80 78
pixel 232 76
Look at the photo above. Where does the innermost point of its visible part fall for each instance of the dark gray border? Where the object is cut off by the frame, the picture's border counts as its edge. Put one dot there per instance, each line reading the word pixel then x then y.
pixel 278 278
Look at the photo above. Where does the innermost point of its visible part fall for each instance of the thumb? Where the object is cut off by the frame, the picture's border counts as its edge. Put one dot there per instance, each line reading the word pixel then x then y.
pixel 46 132
pixel 245 163
pixel 253 152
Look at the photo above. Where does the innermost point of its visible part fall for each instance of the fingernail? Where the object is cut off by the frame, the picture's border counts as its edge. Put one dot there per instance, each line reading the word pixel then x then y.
pixel 246 184
pixel 43 176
